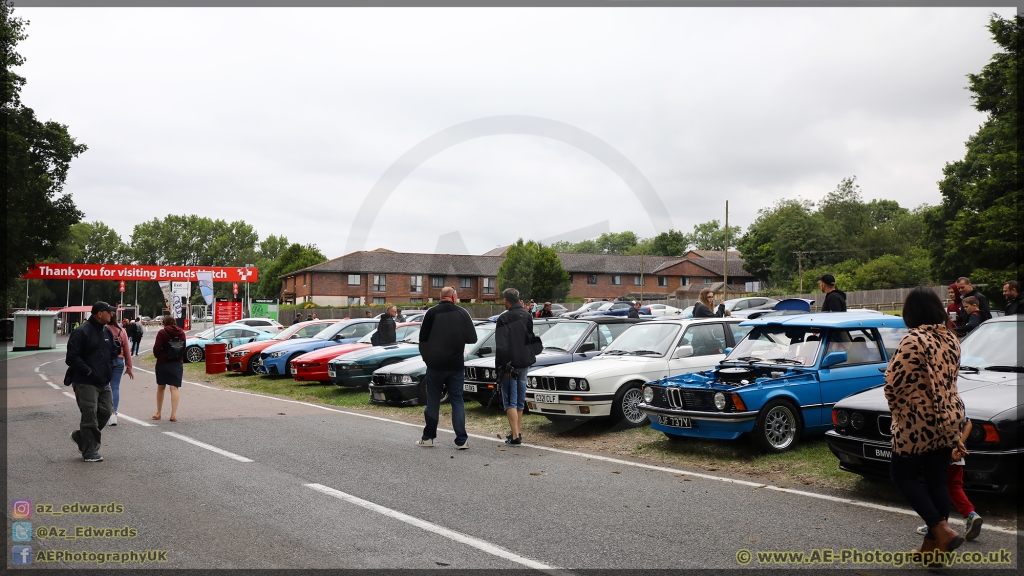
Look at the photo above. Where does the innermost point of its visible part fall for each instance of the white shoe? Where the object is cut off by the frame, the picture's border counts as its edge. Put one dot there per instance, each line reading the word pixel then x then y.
pixel 113 420
pixel 426 443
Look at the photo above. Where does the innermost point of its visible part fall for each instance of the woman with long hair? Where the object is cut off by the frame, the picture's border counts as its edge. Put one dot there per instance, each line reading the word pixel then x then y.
pixel 168 370
pixel 705 306
pixel 118 365
pixel 920 386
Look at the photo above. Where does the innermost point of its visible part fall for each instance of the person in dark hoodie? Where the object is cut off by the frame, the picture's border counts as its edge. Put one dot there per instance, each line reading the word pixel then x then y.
pixel 513 356
pixel 444 333
pixel 169 365
pixel 385 335
pixel 835 300
pixel 1014 299
pixel 966 289
pixel 90 350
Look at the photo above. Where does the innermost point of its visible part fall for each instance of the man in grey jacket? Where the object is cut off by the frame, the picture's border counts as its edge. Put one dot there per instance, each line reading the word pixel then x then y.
pixel 89 359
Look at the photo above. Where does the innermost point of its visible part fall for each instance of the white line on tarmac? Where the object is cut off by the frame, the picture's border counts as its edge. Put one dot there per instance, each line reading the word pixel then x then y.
pixel 121 416
pixel 44 376
pixel 70 395
pixel 38 367
pixel 52 385
pixel 483 545
pixel 848 501
pixel 209 447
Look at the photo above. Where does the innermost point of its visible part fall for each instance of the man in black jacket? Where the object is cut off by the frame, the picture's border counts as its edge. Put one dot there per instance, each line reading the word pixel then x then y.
pixel 444 333
pixel 386 327
pixel 835 300
pixel 634 310
pixel 963 284
pixel 89 356
pixel 513 355
pixel 1014 299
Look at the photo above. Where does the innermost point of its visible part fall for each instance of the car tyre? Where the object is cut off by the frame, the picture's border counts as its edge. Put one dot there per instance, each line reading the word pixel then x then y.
pixel 624 407
pixel 777 428
pixel 288 364
pixel 421 396
pixel 194 354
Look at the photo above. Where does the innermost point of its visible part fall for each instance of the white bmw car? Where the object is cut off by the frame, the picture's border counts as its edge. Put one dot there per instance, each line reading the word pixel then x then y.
pixel 610 385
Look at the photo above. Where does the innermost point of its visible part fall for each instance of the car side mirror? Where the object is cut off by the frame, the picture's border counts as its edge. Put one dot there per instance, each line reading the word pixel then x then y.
pixel 484 351
pixel 683 352
pixel 585 347
pixel 833 358
pixel 728 351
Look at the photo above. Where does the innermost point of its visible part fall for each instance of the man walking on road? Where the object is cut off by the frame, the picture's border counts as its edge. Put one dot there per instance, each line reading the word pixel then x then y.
pixel 513 355
pixel 963 284
pixel 136 335
pixel 1014 299
pixel 90 358
pixel 444 333
pixel 386 327
pixel 835 300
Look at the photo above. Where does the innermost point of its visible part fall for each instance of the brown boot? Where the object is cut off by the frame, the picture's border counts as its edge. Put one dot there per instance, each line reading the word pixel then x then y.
pixel 946 538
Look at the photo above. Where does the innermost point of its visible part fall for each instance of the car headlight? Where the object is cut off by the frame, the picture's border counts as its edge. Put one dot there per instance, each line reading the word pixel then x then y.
pixel 488 374
pixel 648 394
pixel 278 354
pixel 584 385
pixel 572 383
pixel 531 382
pixel 241 353
pixel 719 400
pixel 406 379
pixel 857 420
pixel 842 419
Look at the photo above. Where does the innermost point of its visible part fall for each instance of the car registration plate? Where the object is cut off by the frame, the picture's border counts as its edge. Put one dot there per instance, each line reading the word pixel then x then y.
pixel 875 452
pixel 295 370
pixel 331 373
pixel 469 387
pixel 546 398
pixel 674 421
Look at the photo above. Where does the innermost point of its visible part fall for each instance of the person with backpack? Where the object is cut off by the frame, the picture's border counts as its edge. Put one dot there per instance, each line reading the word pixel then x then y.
pixel 169 350
pixel 135 335
pixel 90 354
pixel 119 362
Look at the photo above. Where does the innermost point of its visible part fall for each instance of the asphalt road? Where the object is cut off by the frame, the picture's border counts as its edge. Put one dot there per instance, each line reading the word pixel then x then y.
pixel 281 484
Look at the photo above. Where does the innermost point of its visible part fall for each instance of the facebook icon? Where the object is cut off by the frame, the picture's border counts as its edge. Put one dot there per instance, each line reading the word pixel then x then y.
pixel 21 555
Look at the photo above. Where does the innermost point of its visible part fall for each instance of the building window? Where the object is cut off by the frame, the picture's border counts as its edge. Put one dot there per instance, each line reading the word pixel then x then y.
pixel 707 280
pixel 415 300
pixel 488 285
pixel 415 283
pixel 662 280
pixel 437 281
pixel 684 281
pixel 616 280
pixel 353 279
pixel 636 281
pixel 466 283
pixel 591 278
pixel 356 301
pixel 305 277
pixel 380 283
pixel 378 300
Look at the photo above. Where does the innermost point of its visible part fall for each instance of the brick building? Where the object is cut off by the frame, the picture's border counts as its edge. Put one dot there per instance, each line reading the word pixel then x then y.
pixel 379 276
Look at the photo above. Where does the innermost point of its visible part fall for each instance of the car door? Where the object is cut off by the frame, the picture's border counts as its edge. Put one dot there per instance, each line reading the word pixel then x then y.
pixel 708 341
pixel 226 337
pixel 859 372
pixel 593 338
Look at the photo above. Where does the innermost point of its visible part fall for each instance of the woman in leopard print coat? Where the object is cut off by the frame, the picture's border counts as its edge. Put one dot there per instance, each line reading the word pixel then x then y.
pixel 920 385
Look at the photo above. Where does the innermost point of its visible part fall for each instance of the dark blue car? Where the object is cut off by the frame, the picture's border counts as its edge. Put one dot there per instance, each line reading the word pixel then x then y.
pixel 781 380
pixel 276 359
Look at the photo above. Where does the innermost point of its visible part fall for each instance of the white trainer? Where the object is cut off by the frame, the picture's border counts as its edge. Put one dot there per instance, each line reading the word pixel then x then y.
pixel 113 420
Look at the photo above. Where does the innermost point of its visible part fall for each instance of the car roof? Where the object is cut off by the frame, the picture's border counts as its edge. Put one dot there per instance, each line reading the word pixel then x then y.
pixel 831 320
pixel 672 320
pixel 1011 318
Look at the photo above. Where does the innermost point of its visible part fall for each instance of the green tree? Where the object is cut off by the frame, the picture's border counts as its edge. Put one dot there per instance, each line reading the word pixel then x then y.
pixel 975 231
pixel 671 243
pixel 607 243
pixel 37 157
pixel 193 241
pixel 271 247
pixel 535 270
pixel 711 236
pixel 294 257
pixel 781 237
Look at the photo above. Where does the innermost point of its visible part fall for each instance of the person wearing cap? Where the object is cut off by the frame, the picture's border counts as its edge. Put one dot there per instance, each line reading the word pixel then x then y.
pixel 835 300
pixel 90 354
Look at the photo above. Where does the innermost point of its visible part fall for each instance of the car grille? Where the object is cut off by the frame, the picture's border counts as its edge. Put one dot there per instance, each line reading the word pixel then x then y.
pixel 681 399
pixel 477 374
pixel 380 379
pixel 551 383
pixel 885 425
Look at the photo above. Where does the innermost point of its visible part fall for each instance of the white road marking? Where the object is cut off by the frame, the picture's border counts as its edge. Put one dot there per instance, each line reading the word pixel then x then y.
pixel 209 447
pixel 848 501
pixel 38 367
pixel 483 545
pixel 121 416
pixel 70 395
pixel 44 377
pixel 54 386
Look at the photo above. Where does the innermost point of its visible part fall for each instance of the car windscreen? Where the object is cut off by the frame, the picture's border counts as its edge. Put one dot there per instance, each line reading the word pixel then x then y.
pixel 796 345
pixel 330 331
pixel 483 331
pixel 563 335
pixel 991 344
pixel 288 332
pixel 412 336
pixel 644 340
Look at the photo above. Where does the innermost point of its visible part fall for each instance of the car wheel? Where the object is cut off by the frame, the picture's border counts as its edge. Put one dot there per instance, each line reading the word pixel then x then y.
pixel 194 354
pixel 777 428
pixel 421 395
pixel 288 364
pixel 624 408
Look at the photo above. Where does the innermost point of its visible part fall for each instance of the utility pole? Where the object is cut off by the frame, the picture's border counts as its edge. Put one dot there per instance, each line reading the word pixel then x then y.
pixel 725 286
pixel 800 265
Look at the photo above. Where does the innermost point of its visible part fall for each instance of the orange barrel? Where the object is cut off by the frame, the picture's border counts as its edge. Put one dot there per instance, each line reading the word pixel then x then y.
pixel 216 355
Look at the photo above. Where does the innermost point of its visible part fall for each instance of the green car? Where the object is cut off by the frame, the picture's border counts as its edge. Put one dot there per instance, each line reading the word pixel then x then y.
pixel 356 368
pixel 402 384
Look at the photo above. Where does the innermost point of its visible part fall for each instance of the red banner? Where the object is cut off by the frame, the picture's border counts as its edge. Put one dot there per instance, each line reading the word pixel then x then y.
pixel 226 312
pixel 133 272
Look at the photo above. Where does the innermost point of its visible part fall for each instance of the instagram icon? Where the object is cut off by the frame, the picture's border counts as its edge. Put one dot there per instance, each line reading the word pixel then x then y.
pixel 21 509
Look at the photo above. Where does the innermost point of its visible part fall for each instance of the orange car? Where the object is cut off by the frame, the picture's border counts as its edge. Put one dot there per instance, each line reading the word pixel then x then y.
pixel 239 358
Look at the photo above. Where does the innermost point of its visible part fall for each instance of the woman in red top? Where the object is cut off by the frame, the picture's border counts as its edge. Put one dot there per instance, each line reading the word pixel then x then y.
pixel 168 372
pixel 955 308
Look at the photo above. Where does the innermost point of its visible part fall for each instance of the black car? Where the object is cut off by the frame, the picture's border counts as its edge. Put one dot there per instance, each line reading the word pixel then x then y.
pixel 990 377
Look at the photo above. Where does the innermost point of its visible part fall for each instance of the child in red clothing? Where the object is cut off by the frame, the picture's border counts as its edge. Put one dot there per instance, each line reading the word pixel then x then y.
pixel 972 521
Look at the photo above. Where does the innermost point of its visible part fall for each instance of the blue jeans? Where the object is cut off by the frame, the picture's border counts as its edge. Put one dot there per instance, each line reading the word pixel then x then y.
pixel 436 381
pixel 115 380
pixel 513 390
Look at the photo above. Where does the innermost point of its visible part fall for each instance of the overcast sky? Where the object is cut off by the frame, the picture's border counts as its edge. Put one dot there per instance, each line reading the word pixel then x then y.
pixel 285 118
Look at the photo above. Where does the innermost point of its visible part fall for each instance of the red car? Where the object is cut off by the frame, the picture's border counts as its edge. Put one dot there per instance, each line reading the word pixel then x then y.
pixel 312 366
pixel 239 358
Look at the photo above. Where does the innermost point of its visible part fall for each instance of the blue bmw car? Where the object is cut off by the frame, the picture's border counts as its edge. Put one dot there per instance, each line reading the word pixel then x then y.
pixel 275 359
pixel 780 382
